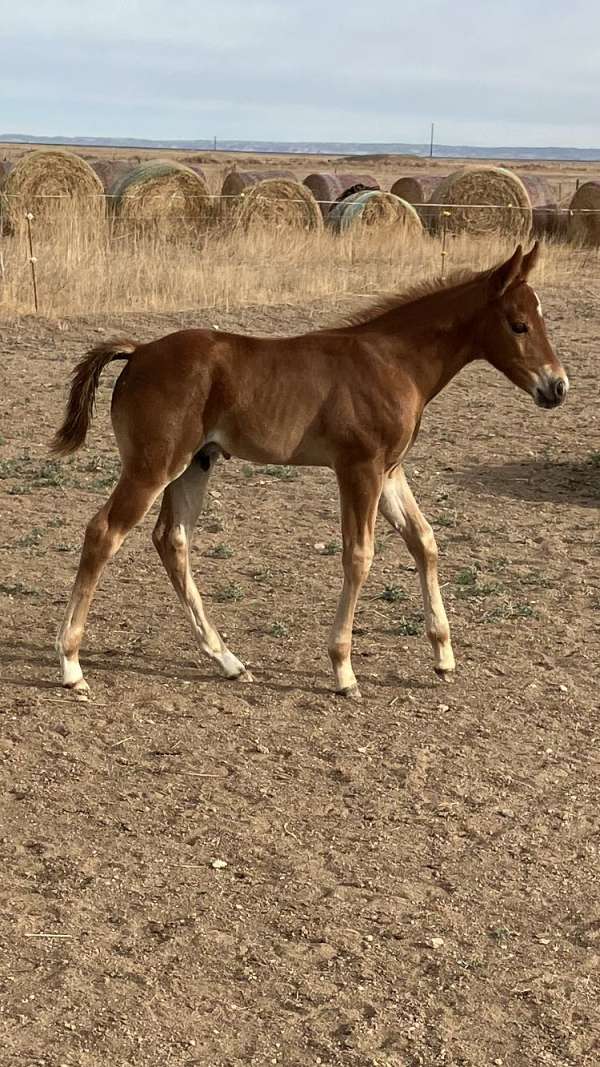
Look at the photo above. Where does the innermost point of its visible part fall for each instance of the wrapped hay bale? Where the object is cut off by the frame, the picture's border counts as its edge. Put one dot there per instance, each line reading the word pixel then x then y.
pixel 481 201
pixel 164 195
pixel 329 189
pixel 374 209
pixel 584 218
pixel 276 204
pixel 52 184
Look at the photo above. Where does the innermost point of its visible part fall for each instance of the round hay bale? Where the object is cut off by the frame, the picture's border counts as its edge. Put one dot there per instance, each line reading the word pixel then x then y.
pixel 329 189
pixel 195 163
pixel 545 214
pixel 162 194
pixel 5 168
pixel 553 222
pixel 374 209
pixel 197 170
pixel 110 171
pixel 584 222
pixel 51 183
pixel 416 190
pixel 481 201
pixel 239 180
pixel 276 204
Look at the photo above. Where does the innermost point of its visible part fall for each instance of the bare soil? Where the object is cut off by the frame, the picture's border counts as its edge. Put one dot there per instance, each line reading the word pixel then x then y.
pixel 409 881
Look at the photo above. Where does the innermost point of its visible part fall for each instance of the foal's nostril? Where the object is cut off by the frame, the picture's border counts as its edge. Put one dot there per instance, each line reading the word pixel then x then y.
pixel 560 388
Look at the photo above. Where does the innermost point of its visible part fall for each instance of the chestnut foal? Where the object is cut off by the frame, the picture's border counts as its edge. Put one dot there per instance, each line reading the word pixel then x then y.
pixel 350 398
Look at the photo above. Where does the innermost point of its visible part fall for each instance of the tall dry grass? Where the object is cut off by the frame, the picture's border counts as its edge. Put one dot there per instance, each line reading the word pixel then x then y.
pixel 85 268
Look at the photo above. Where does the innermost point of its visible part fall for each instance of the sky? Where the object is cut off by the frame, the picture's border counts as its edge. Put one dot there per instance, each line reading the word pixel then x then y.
pixel 488 73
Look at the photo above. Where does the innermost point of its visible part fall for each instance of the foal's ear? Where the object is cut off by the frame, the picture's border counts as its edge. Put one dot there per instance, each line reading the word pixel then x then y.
pixel 530 260
pixel 503 276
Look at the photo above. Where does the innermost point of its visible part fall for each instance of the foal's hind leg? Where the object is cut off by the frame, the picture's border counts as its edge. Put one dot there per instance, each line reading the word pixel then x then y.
pixel 181 505
pixel 104 536
pixel 400 508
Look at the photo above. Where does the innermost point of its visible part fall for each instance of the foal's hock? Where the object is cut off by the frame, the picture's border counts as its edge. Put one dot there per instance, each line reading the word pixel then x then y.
pixel 349 398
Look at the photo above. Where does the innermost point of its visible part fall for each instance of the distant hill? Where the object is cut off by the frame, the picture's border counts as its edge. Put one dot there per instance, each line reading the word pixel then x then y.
pixel 338 148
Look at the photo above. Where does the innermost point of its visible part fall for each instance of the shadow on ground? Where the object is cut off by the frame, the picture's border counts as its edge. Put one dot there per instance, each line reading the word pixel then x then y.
pixel 553 481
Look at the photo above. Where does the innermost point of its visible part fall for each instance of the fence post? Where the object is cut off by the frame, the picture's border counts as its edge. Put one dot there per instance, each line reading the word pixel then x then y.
pixel 32 259
pixel 444 253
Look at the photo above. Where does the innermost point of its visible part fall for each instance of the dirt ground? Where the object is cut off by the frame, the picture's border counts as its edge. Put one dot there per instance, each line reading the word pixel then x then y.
pixel 408 882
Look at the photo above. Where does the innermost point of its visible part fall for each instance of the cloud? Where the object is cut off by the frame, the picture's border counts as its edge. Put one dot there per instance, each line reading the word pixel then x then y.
pixel 295 70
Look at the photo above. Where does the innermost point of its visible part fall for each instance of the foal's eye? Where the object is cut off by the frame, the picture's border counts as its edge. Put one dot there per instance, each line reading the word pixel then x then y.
pixel 519 327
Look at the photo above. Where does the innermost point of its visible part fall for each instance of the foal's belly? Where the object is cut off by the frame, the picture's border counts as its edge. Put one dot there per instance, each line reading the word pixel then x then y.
pixel 309 452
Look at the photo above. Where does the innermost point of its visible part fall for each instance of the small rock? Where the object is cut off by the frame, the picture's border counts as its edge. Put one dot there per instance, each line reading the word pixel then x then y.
pixel 319 547
pixel 218 865
pixel 437 942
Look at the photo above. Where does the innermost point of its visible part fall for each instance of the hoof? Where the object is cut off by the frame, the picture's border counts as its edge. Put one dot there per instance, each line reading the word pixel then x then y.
pixel 444 676
pixel 243 676
pixel 80 689
pixel 351 692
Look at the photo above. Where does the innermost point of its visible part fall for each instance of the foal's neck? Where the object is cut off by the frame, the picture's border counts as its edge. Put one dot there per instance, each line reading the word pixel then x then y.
pixel 436 334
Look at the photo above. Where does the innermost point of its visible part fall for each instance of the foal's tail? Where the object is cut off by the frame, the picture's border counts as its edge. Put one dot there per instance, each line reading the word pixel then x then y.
pixel 80 405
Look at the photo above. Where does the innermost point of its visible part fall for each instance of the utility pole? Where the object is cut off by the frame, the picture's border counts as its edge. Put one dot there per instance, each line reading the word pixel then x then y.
pixel 215 142
pixel 431 141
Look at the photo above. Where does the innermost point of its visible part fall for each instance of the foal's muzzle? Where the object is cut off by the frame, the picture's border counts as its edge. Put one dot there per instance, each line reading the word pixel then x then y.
pixel 550 390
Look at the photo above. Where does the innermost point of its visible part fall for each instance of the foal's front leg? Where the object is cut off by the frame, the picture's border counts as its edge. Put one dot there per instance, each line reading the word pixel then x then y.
pixel 360 487
pixel 400 508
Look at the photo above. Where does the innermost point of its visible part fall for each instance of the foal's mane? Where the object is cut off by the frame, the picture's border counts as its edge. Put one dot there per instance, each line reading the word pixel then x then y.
pixel 386 302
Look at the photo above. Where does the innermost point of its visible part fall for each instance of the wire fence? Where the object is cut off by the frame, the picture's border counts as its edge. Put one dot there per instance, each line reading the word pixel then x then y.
pixel 119 229
pixel 112 199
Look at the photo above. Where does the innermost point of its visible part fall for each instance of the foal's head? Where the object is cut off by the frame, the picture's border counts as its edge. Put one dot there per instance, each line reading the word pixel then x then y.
pixel 513 336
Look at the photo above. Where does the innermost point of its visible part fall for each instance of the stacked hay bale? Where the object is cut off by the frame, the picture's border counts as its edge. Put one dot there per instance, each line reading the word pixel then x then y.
pixel 583 224
pixel 482 201
pixel 55 186
pixel 161 196
pixel 373 209
pixel 328 188
pixel 273 205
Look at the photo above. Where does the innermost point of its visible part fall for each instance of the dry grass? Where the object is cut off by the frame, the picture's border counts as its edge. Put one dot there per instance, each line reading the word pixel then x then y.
pixel 81 269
